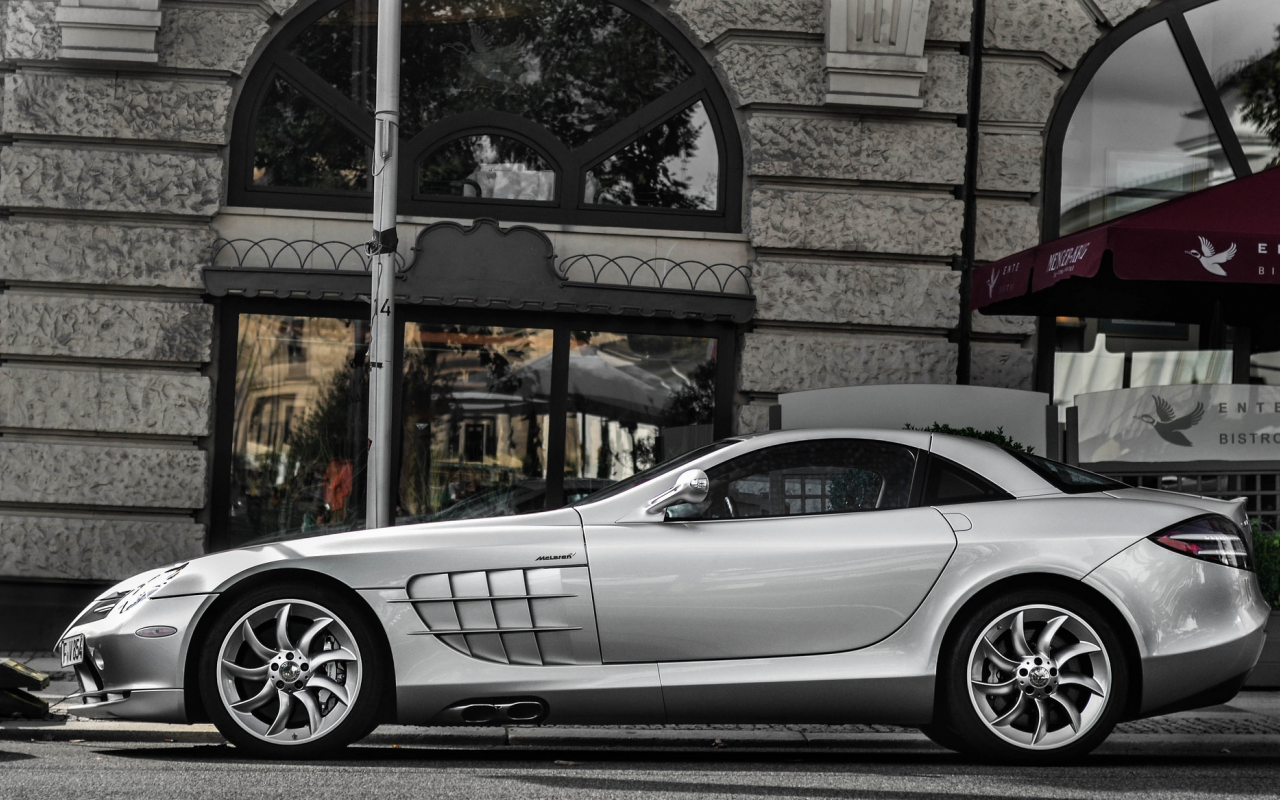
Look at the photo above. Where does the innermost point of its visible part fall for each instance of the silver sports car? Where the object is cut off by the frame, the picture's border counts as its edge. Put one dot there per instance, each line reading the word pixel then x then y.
pixel 1007 605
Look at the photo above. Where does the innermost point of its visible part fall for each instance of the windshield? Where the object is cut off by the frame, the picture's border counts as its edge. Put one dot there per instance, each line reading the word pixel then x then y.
pixel 652 472
pixel 1066 478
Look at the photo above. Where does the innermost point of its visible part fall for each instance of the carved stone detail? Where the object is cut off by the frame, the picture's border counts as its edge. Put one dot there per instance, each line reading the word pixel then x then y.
pixel 109 30
pixel 93 549
pixel 110 180
pixel 857 150
pixel 116 107
pixel 865 222
pixel 857 294
pixel 104 401
pixel 105 327
pixel 875 52
pixel 794 362
pixel 117 255
pixel 98 475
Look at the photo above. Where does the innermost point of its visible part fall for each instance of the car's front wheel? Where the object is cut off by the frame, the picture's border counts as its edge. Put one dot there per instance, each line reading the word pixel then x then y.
pixel 291 671
pixel 1034 676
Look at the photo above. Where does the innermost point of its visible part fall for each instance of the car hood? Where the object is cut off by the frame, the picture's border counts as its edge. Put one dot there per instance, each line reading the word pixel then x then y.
pixel 376 557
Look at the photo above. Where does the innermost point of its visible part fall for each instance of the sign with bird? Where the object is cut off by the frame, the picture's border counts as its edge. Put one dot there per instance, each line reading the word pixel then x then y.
pixel 1174 424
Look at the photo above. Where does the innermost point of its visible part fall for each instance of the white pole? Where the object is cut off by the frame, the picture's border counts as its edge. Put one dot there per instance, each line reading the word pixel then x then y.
pixel 382 306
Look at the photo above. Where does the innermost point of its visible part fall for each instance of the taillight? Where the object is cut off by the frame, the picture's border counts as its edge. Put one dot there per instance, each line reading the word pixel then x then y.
pixel 1210 538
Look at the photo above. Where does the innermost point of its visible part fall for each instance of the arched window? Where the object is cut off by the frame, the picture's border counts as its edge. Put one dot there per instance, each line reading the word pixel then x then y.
pixel 573 111
pixel 1180 98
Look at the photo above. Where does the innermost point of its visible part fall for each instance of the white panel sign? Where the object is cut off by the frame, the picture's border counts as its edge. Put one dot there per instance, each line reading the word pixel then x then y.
pixel 1162 424
pixel 1020 414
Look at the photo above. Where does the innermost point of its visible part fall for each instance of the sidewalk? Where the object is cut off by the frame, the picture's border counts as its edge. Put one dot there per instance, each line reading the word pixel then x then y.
pixel 1251 721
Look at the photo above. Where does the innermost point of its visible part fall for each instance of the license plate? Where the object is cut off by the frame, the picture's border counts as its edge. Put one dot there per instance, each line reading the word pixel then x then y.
pixel 73 650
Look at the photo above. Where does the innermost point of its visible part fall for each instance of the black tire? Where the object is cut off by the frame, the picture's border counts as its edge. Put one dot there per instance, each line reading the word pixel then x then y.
pixel 358 718
pixel 960 725
pixel 943 736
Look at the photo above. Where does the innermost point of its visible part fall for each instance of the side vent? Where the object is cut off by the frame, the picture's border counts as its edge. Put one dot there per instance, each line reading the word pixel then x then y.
pixel 535 617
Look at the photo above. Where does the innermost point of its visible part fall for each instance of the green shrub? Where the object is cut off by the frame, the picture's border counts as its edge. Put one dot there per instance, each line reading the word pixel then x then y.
pixel 1266 553
pixel 996 437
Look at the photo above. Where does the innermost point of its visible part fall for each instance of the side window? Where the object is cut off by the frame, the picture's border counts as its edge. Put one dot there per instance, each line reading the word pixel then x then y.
pixel 948 483
pixel 818 477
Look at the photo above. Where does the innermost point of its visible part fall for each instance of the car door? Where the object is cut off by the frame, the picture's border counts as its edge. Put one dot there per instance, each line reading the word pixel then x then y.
pixel 799 548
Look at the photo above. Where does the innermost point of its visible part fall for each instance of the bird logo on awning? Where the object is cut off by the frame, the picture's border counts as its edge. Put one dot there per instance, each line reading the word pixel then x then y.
pixel 1169 428
pixel 1210 258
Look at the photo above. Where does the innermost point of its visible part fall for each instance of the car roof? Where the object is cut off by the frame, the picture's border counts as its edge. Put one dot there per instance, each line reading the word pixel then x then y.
pixel 984 458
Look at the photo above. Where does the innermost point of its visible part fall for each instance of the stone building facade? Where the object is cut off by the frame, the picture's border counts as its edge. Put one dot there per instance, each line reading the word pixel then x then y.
pixel 113 181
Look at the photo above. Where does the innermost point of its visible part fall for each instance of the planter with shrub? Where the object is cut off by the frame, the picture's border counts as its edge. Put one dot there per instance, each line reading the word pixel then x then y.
pixel 1266 552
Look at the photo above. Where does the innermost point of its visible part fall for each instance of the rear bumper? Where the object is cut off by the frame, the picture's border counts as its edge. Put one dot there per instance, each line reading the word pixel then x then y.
pixel 1198 626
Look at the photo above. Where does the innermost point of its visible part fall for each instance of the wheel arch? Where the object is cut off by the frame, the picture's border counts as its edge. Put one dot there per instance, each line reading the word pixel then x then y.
pixel 191 690
pixel 1040 580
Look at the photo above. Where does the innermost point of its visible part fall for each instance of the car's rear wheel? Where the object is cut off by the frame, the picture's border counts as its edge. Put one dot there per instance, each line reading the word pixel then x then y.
pixel 1034 676
pixel 291 671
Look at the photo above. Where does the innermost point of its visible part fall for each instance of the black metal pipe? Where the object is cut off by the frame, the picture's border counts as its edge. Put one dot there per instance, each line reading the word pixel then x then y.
pixel 969 233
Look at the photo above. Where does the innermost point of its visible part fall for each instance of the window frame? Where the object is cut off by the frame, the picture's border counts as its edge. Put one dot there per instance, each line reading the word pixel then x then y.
pixel 913 492
pixel 1170 12
pixel 230 308
pixel 572 165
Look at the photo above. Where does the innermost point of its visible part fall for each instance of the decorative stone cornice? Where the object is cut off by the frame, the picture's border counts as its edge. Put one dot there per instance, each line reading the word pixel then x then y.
pixel 109 30
pixel 875 52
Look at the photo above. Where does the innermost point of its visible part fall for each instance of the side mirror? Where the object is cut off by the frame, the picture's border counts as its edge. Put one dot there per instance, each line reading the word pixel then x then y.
pixel 691 487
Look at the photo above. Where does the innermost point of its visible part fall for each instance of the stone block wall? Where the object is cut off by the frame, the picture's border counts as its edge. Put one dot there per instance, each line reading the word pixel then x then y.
pixel 109 177
pixel 853 210
pixel 111 174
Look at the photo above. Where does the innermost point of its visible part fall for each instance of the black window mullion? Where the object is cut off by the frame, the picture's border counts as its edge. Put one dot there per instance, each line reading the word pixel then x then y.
pixel 557 422
pixel 1209 96
pixel 638 123
pixel 343 109
pixel 726 367
pixel 397 415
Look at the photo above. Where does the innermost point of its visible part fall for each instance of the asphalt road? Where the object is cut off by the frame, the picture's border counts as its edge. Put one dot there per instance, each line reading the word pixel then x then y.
pixel 891 771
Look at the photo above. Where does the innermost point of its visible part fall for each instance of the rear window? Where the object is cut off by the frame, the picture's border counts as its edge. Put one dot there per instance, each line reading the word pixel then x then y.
pixel 949 483
pixel 1066 478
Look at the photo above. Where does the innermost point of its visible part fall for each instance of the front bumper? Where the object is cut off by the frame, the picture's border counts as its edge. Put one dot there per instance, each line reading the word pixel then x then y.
pixel 125 676
pixel 1198 625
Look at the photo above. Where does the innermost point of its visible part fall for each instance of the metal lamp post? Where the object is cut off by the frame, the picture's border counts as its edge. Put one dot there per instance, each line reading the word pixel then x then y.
pixel 382 304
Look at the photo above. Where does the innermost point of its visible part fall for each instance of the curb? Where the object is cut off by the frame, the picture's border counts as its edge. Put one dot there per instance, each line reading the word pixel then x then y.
pixel 610 738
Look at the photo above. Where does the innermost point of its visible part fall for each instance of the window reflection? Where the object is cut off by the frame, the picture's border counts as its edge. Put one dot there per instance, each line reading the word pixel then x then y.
pixel 576 67
pixel 494 167
pixel 676 165
pixel 299 145
pixel 1139 136
pixel 475 410
pixel 299 427
pixel 1241 47
pixel 634 401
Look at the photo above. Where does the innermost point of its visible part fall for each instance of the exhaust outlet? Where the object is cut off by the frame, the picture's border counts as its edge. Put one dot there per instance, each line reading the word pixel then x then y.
pixel 521 711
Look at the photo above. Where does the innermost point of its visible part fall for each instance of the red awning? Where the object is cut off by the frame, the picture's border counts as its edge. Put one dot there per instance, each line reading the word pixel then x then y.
pixel 1225 237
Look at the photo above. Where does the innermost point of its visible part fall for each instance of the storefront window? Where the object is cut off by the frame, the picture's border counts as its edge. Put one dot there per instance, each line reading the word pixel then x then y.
pixel 477 416
pixel 476 401
pixel 299 428
pixel 634 401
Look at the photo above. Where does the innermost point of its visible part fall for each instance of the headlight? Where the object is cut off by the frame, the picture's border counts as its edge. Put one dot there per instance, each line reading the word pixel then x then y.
pixel 1209 538
pixel 155 584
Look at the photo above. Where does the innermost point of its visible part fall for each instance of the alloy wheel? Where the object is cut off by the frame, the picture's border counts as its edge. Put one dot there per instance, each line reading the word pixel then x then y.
pixel 1039 677
pixel 289 671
